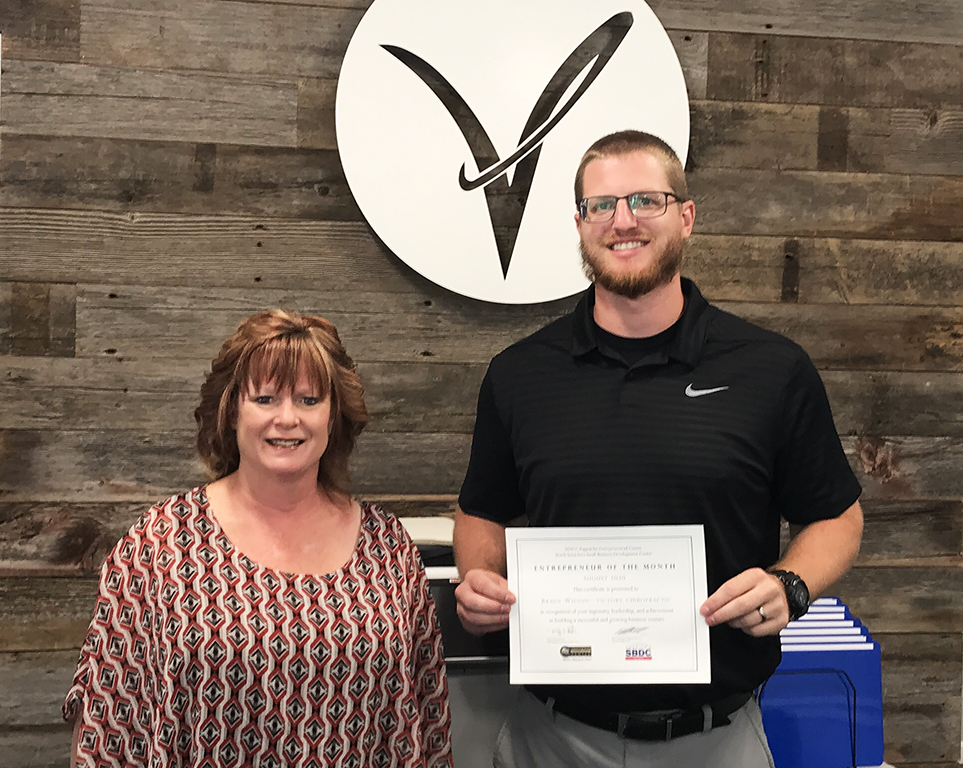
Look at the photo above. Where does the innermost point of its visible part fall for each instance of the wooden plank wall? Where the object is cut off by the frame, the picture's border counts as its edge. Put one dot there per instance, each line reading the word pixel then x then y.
pixel 169 166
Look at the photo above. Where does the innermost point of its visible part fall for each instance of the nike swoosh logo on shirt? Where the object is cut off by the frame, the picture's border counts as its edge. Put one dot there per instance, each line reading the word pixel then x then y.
pixel 691 391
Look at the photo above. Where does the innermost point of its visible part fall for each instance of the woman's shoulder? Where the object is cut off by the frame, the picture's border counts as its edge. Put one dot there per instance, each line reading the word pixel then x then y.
pixel 384 527
pixel 166 519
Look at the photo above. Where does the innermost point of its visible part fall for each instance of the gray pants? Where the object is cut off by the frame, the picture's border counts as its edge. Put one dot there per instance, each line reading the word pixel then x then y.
pixel 534 736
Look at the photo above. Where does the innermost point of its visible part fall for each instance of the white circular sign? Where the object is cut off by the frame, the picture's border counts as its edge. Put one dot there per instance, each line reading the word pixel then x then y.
pixel 460 127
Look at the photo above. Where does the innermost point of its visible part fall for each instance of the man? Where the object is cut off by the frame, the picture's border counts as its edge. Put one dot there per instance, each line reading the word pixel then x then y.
pixel 647 406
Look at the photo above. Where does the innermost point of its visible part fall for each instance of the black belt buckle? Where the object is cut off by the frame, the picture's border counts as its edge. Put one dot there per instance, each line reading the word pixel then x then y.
pixel 648 726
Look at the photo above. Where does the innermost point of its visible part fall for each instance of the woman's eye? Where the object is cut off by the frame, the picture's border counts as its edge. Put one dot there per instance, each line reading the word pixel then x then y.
pixel 311 400
pixel 262 399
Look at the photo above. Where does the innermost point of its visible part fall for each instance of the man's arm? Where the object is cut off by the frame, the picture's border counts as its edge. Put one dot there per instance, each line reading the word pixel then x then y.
pixel 821 552
pixel 483 597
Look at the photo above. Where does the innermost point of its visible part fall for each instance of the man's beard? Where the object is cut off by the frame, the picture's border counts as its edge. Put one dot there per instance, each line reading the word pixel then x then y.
pixel 631 285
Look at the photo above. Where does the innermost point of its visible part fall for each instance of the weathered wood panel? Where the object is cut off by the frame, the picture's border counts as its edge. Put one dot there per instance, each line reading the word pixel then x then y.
pixel 876 404
pixel 70 539
pixel 837 72
pixel 728 134
pixel 47 30
pixel 69 246
pixel 45 613
pixel 136 176
pixel 58 538
pixel 937 21
pixel 905 140
pixel 117 465
pixel 218 35
pixel 47 393
pixel 911 532
pixel 110 393
pixel 374 326
pixel 107 393
pixel 33 686
pixel 907 467
pixel 39 320
pixel 83 100
pixel 36 747
pixel 63 538
pixel 887 600
pixel 92 465
pixel 126 321
pixel 171 249
pixel 877 272
pixel 316 127
pixel 305 183
pixel 910 600
pixel 361 5
pixel 921 696
pixel 692 48
pixel 905 600
pixel 813 204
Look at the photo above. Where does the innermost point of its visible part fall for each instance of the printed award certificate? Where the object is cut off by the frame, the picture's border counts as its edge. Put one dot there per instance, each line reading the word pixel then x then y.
pixel 608 605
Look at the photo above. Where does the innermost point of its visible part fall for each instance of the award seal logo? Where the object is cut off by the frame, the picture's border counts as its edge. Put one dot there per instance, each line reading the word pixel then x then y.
pixel 460 127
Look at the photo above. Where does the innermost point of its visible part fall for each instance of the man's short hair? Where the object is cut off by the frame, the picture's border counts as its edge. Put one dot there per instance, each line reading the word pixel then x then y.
pixel 626 142
pixel 278 346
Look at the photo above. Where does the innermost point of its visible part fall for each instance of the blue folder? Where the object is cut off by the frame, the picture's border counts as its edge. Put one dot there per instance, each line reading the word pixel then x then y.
pixel 823 706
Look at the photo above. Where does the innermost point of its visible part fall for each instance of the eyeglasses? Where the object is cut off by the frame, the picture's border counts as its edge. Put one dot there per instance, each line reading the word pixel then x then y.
pixel 644 205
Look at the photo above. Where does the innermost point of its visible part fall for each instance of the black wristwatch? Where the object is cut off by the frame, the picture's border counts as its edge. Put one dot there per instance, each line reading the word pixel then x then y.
pixel 797 593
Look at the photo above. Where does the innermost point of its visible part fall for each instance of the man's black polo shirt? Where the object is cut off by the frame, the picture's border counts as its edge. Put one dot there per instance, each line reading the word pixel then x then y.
pixel 725 425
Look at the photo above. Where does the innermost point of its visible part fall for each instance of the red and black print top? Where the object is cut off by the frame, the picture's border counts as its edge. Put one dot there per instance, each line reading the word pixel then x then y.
pixel 197 656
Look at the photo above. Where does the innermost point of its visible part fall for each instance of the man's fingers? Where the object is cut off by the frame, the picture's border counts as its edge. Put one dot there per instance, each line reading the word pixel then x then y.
pixel 484 601
pixel 481 623
pixel 478 602
pixel 737 602
pixel 480 588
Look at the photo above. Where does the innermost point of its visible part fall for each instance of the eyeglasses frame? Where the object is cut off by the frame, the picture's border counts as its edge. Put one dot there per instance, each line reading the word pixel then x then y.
pixel 583 205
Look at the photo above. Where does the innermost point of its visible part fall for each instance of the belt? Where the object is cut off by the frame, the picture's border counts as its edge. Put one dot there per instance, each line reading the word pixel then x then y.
pixel 652 726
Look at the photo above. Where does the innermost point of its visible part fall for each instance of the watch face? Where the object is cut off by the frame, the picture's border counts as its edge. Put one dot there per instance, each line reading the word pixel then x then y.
pixel 798 598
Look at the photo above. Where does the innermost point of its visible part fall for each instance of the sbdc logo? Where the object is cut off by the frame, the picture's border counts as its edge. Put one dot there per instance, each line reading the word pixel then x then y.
pixel 638 654
pixel 460 126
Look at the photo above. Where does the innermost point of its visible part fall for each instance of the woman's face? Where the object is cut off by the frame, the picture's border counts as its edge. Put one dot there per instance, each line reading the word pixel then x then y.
pixel 282 432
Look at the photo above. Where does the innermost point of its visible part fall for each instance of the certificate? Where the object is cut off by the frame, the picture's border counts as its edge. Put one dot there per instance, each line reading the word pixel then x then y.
pixel 608 605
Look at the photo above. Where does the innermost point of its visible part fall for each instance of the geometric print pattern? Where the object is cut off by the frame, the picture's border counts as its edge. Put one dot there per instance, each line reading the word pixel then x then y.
pixel 197 656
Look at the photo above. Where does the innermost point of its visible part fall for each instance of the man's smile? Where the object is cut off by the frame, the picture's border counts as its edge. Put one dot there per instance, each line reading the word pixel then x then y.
pixel 628 245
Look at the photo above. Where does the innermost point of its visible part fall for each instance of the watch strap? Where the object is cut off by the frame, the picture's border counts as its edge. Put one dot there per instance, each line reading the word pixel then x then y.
pixel 797 593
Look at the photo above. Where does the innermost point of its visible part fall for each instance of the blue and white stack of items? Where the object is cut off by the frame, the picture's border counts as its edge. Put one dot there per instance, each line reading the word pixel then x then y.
pixel 823 706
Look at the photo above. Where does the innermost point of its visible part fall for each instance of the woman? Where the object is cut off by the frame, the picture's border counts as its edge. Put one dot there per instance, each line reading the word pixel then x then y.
pixel 266 619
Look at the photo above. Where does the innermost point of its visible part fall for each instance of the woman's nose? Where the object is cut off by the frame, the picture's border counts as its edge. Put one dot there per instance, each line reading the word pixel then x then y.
pixel 287 413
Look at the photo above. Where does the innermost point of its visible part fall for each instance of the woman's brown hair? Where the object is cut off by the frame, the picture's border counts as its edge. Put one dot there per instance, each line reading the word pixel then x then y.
pixel 277 346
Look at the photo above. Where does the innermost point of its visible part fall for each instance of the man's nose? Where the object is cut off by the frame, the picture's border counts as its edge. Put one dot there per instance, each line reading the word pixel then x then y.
pixel 623 218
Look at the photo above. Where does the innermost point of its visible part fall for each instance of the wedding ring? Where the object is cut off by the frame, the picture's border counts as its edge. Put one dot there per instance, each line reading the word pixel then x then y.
pixel 762 613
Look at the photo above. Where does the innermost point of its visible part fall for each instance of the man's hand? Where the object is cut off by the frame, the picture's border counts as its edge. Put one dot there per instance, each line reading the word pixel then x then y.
pixel 483 601
pixel 753 601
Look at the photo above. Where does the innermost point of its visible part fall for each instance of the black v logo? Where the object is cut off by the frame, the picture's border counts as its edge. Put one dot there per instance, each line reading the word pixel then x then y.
pixel 506 202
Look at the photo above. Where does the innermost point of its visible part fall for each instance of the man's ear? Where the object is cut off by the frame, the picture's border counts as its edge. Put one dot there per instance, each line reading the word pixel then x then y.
pixel 688 218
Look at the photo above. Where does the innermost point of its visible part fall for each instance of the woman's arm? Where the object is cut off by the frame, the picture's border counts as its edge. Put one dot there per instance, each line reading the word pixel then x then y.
pixel 430 679
pixel 74 742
